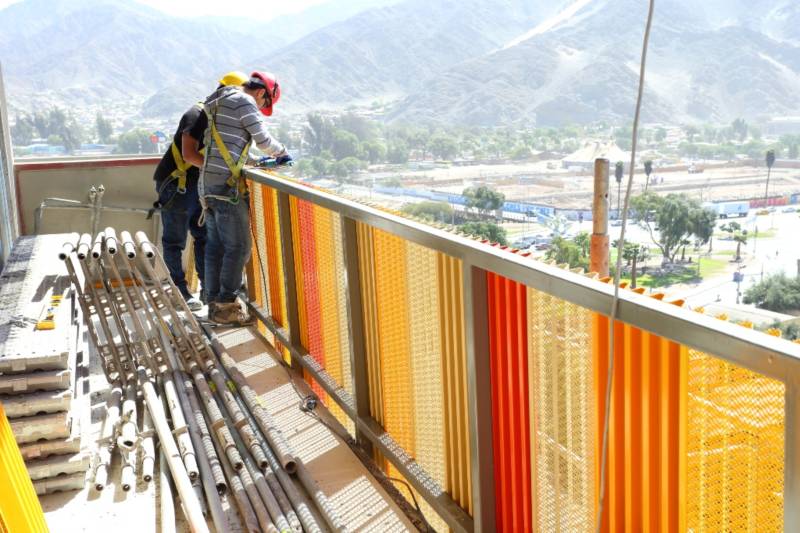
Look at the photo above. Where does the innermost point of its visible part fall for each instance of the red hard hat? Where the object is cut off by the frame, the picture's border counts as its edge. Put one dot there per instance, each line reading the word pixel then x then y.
pixel 273 89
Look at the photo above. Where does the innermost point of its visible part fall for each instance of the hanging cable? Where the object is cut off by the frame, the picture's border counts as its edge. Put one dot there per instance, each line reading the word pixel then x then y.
pixel 617 271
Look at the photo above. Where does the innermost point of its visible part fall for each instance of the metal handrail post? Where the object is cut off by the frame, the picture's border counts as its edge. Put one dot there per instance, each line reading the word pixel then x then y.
pixel 479 396
pixel 289 275
pixel 791 469
pixel 355 323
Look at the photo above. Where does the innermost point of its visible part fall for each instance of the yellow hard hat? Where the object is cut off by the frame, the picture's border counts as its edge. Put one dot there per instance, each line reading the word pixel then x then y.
pixel 233 77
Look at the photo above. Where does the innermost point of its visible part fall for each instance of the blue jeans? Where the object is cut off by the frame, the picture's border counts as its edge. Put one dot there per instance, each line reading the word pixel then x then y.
pixel 227 248
pixel 179 216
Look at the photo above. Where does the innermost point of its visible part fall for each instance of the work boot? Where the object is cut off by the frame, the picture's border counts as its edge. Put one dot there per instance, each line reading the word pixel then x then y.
pixel 230 314
pixel 194 304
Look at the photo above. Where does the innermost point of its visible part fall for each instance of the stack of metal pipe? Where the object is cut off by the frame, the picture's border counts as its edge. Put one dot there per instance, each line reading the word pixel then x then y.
pixel 167 382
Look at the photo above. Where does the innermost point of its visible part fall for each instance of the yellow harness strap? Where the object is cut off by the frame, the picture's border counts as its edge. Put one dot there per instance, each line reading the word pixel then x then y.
pixel 235 168
pixel 182 166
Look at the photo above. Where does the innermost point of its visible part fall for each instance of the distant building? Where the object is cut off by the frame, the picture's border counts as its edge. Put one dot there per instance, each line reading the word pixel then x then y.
pixel 585 156
pixel 782 126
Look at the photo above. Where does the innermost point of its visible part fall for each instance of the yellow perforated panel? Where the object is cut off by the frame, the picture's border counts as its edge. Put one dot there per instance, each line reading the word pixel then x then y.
pixel 340 281
pixel 325 237
pixel 426 367
pixel 735 445
pixel 260 264
pixel 562 424
pixel 454 380
pixel 393 338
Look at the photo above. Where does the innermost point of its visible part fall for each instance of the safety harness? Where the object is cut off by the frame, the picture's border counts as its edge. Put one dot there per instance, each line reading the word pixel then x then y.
pixel 235 181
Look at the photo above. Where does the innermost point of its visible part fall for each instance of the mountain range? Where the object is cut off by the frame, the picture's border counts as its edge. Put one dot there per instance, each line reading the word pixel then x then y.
pixel 467 62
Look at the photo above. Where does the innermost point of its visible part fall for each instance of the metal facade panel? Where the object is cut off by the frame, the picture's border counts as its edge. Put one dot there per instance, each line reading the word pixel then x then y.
pixel 562 413
pixel 391 282
pixel 366 260
pixel 426 367
pixel 454 373
pixel 307 268
pixel 508 346
pixel 333 352
pixel 735 438
pixel 20 511
pixel 277 289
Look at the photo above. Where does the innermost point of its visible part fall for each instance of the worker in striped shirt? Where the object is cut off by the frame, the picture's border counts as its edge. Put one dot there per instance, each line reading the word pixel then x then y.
pixel 236 119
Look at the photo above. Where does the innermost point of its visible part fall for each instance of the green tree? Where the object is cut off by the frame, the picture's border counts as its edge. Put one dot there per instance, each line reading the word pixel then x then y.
pixel 103 127
pixel 486 230
pixel 397 153
pixel 777 292
pixel 676 217
pixel 135 141
pixel 568 251
pixel 661 134
pixel 443 146
pixel 484 199
pixel 521 152
pixel 23 130
pixel 432 211
pixel 739 127
pixel 65 126
pixel 375 151
pixel 740 238
pixel 318 133
pixel 359 126
pixel 344 144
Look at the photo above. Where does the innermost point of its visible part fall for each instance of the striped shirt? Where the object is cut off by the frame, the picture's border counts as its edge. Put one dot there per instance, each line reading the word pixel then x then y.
pixel 238 121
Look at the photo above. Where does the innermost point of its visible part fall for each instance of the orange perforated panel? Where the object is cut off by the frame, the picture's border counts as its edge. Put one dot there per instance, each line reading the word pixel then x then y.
pixel 508 352
pixel 275 267
pixel 454 380
pixel 309 271
pixel 646 442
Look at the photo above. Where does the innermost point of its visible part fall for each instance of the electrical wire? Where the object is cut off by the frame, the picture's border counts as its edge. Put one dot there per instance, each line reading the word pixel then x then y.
pixel 618 269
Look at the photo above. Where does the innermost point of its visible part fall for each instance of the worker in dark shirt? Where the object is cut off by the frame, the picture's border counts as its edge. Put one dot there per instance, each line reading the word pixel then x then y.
pixel 176 184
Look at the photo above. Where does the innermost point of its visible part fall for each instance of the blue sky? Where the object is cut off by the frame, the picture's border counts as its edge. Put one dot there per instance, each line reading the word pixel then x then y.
pixel 262 9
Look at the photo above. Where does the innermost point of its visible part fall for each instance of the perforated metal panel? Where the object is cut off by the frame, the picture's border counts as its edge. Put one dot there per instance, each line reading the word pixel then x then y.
pixel 275 271
pixel 508 351
pixel 258 268
pixel 426 367
pixel 394 338
pixel 735 456
pixel 333 350
pixel 562 407
pixel 454 379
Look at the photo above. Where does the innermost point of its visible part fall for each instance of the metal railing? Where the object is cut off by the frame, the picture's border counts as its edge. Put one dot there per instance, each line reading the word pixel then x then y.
pixel 352 293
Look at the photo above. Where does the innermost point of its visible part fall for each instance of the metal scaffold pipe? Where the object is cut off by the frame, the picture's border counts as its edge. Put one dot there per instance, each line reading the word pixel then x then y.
pixel 107 438
pixel 166 506
pixel 191 506
pixel 148 448
pixel 306 480
pixel 262 417
pixel 211 475
pixel 275 474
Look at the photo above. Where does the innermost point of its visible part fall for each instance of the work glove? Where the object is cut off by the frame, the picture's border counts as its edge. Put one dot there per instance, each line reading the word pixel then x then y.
pixel 284 160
